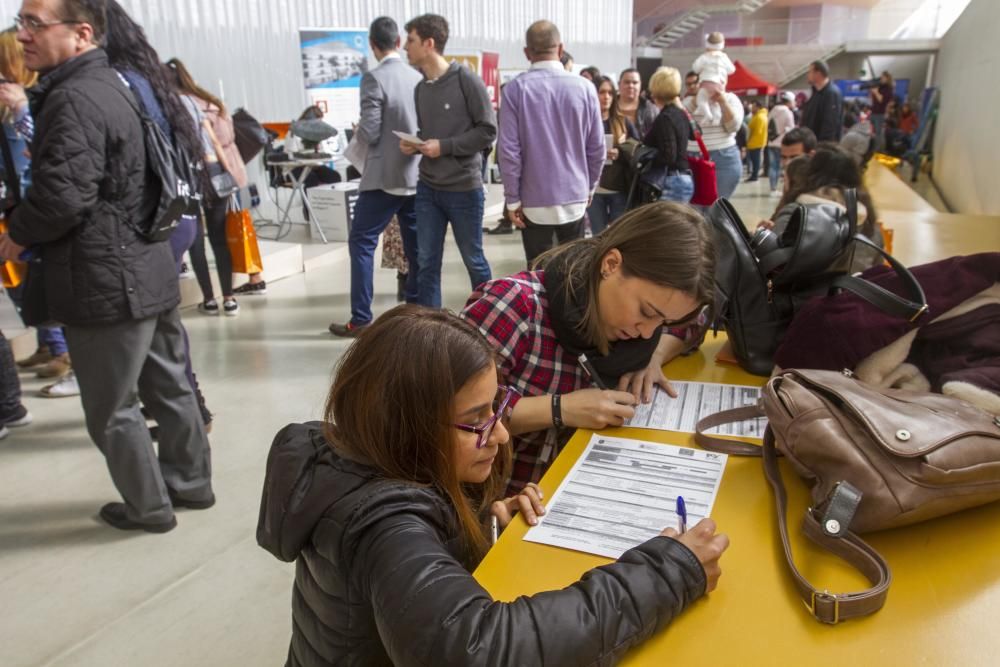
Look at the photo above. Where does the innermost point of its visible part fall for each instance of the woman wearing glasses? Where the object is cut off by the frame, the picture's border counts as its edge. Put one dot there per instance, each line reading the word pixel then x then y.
pixel 383 509
pixel 630 299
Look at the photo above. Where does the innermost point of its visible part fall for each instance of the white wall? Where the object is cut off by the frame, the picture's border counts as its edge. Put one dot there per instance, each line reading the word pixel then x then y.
pixel 967 137
pixel 248 49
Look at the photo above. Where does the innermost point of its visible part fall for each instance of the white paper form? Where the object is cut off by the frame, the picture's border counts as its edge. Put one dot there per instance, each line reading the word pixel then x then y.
pixel 694 401
pixel 622 492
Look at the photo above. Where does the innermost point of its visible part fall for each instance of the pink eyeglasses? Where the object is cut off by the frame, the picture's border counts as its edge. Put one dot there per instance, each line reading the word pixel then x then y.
pixel 501 410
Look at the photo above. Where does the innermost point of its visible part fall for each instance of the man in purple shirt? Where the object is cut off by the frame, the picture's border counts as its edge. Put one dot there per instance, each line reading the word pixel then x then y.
pixel 551 147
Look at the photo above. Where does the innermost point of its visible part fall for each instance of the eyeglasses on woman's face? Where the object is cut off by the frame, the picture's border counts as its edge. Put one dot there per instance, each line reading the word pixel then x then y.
pixel 502 409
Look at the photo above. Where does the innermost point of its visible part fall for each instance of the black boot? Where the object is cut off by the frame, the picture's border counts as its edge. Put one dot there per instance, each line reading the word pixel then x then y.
pixel 401 279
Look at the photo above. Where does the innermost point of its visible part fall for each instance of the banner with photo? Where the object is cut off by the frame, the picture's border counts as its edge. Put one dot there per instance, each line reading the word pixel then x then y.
pixel 333 62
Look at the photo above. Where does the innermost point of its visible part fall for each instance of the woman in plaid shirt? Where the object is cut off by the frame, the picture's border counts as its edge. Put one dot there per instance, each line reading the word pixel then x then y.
pixel 631 299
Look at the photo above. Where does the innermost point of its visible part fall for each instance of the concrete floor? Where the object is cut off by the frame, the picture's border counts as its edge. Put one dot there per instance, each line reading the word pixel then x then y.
pixel 76 592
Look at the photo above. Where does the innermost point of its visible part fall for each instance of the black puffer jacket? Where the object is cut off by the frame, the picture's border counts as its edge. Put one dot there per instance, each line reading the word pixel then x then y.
pixel 379 578
pixel 88 180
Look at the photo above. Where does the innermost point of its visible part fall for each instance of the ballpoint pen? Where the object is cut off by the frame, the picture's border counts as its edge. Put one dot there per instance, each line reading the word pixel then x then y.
pixel 682 515
pixel 589 368
pixel 494 529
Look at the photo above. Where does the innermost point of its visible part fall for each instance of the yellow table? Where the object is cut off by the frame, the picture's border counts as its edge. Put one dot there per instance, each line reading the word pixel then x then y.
pixel 943 607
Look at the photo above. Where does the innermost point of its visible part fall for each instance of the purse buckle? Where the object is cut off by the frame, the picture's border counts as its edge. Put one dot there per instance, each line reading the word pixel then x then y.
pixel 829 597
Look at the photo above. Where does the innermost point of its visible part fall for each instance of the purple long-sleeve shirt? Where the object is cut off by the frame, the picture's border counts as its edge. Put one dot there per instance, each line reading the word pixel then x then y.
pixel 551 147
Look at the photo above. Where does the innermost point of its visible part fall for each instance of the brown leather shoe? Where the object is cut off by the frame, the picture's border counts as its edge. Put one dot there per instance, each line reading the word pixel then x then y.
pixel 40 357
pixel 56 368
pixel 348 330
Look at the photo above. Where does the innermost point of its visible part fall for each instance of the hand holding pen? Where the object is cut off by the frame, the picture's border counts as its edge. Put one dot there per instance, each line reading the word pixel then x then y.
pixel 706 545
pixel 598 407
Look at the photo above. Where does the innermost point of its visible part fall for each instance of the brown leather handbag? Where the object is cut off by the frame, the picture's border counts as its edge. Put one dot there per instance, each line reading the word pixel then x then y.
pixel 874 459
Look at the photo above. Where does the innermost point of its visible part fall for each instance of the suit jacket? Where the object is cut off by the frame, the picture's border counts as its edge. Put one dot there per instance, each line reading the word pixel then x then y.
pixel 387 104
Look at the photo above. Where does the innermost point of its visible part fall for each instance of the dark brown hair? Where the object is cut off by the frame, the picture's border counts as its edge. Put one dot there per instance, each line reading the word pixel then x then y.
pixel 666 243
pixel 615 116
pixel 391 406
pixel 187 86
pixel 831 167
pixel 430 26
pixel 87 11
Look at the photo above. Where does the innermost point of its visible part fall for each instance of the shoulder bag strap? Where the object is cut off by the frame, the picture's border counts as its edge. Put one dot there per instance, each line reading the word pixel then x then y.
pixel 697 135
pixel 825 606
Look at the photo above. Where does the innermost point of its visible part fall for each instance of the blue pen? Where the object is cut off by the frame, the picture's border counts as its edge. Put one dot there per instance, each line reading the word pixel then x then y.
pixel 682 514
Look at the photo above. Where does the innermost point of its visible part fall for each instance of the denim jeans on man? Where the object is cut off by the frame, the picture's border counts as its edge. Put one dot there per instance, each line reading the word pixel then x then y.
pixel 774 166
pixel 372 214
pixel 605 209
pixel 435 209
pixel 677 186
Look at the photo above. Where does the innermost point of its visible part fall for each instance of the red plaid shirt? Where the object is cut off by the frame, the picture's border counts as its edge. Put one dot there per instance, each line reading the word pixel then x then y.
pixel 513 314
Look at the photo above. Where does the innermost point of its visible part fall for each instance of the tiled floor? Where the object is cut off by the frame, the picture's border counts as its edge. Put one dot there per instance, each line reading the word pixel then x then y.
pixel 76 592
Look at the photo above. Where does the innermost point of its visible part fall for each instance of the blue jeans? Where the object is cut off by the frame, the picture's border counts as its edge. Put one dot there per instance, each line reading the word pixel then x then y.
pixel 372 214
pixel 54 339
pixel 754 155
pixel 605 209
pixel 774 166
pixel 435 209
pixel 728 170
pixel 678 186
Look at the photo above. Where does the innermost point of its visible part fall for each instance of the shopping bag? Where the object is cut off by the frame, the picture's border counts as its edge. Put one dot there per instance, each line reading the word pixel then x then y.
pixel 11 273
pixel 241 237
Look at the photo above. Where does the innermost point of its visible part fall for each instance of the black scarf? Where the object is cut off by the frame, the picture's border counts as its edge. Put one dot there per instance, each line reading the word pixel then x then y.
pixel 566 310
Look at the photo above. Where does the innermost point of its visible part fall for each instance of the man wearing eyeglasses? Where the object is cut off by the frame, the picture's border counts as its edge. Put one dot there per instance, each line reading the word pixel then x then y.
pixel 115 292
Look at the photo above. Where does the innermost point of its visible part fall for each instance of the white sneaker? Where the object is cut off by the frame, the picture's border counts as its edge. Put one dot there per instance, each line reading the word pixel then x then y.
pixel 4 432
pixel 775 193
pixel 230 308
pixel 66 386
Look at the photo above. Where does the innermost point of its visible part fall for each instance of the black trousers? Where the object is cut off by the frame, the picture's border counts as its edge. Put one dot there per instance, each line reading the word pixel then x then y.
pixel 539 238
pixel 215 221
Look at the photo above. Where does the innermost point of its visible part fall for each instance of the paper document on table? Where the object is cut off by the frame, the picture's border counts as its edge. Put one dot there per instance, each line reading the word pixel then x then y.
pixel 356 153
pixel 622 492
pixel 694 401
pixel 409 138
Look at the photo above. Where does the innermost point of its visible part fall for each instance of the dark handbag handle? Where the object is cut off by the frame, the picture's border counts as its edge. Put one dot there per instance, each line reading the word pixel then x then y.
pixel 908 308
pixel 825 606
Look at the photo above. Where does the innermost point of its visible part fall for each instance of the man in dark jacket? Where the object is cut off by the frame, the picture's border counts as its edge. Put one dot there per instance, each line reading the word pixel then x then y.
pixel 116 293
pixel 825 109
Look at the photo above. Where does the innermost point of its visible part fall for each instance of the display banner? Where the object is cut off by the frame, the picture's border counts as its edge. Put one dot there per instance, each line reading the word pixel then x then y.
pixel 333 62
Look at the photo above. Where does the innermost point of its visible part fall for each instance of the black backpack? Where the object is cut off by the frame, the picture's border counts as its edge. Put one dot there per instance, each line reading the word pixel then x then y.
pixel 772 130
pixel 173 173
pixel 763 280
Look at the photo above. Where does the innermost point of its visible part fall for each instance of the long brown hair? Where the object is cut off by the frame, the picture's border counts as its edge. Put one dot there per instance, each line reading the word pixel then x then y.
pixel 187 86
pixel 666 243
pixel 12 63
pixel 391 406
pixel 616 118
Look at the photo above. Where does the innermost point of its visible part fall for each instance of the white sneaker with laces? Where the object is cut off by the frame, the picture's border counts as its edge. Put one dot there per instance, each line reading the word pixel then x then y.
pixel 66 386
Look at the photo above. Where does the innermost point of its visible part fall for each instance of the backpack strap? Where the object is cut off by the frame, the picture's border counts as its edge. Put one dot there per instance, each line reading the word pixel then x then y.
pixel 10 176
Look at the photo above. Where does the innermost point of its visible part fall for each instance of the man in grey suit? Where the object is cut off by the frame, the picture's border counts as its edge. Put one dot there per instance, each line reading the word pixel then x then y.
pixel 389 181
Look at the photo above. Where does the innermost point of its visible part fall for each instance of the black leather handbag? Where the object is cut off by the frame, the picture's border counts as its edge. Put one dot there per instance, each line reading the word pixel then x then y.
pixel 251 137
pixel 762 280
